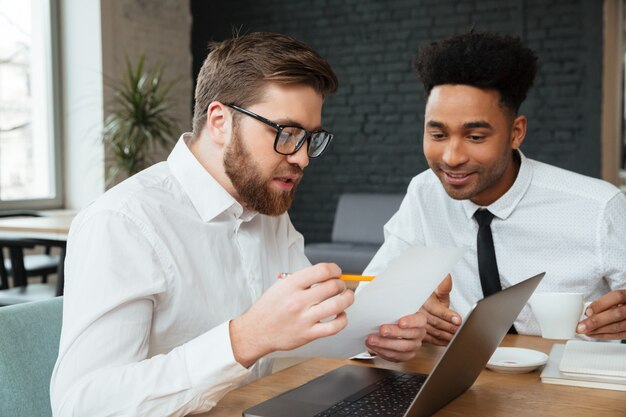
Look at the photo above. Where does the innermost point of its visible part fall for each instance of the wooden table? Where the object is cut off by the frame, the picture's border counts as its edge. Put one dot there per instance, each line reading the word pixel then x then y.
pixel 493 394
pixel 52 225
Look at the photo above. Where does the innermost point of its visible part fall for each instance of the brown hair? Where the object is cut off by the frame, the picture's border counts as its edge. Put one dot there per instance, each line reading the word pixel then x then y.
pixel 236 70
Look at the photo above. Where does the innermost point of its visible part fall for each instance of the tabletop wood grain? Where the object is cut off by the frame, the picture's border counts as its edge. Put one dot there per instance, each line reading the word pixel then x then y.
pixel 493 394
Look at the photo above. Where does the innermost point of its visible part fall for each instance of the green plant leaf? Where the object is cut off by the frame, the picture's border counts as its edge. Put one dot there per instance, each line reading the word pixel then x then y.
pixel 139 119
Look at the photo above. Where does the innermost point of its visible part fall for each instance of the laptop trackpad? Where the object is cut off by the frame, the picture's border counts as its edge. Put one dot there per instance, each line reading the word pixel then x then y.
pixel 337 385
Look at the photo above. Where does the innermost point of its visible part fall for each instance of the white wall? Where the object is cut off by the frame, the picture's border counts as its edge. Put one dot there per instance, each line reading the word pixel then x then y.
pixel 81 79
pixel 96 37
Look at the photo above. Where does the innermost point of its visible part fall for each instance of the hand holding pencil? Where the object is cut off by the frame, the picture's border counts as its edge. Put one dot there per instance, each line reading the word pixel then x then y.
pixel 309 305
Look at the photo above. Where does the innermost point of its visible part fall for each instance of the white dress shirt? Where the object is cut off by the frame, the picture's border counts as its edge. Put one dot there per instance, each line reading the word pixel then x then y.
pixel 155 270
pixel 571 226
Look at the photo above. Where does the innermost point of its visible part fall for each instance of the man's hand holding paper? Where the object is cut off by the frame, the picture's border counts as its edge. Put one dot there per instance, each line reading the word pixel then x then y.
pixel 291 313
pixel 385 308
pixel 398 342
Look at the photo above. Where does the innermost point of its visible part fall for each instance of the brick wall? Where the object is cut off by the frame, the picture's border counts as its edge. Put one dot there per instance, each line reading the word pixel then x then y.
pixel 377 114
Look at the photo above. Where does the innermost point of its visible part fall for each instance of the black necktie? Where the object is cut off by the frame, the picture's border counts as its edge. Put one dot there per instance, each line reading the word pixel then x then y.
pixel 487 264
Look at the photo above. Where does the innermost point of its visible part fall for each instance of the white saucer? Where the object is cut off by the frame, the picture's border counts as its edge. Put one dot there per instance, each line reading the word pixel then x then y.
pixel 511 360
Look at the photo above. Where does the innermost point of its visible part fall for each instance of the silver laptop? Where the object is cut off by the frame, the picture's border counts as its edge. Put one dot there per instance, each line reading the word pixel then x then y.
pixel 353 390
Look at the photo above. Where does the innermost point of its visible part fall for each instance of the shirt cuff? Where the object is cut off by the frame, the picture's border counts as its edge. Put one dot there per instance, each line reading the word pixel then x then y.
pixel 210 361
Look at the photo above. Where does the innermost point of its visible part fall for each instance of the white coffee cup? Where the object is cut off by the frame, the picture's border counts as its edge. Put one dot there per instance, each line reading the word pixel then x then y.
pixel 558 313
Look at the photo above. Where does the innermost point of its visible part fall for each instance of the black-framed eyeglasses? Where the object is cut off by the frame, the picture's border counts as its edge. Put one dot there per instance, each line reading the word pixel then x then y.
pixel 289 139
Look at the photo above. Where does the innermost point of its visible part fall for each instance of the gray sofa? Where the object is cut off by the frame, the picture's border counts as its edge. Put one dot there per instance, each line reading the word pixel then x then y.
pixel 357 231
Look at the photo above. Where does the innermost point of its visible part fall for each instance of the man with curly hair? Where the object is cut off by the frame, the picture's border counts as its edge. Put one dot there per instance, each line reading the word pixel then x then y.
pixel 542 218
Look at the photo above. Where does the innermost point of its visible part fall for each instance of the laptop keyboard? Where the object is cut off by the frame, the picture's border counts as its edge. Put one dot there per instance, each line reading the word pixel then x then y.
pixel 389 397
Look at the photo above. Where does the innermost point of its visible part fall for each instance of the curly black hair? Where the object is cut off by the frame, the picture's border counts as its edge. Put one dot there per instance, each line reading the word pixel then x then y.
pixel 484 60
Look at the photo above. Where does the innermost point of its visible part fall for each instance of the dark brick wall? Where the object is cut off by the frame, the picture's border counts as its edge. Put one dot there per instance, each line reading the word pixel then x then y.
pixel 377 114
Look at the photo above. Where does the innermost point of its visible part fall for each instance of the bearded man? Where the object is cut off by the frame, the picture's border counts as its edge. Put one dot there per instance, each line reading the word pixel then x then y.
pixel 171 296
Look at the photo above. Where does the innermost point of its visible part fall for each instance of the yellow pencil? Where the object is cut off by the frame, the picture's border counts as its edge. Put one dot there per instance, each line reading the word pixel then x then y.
pixel 343 277
pixel 357 277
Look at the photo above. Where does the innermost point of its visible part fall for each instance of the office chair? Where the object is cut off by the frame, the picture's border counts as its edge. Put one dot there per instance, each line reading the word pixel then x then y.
pixel 22 291
pixel 28 350
pixel 34 264
pixel 21 266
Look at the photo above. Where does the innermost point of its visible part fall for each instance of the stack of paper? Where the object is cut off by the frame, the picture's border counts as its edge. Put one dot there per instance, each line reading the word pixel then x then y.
pixel 587 364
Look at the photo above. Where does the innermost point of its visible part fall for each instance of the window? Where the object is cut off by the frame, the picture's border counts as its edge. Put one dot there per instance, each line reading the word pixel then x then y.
pixel 29 139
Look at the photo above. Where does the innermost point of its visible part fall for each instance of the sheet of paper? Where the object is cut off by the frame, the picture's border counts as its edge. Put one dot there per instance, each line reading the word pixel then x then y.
pixel 400 290
pixel 594 358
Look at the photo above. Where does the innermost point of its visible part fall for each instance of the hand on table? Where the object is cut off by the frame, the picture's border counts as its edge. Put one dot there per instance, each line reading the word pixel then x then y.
pixel 289 314
pixel 606 317
pixel 442 322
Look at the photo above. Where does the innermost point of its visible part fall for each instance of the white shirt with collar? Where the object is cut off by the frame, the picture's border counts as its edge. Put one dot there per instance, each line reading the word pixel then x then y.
pixel 571 226
pixel 155 270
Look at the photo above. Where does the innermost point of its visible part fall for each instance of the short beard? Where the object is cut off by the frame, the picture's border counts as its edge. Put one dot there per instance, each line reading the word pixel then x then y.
pixel 250 185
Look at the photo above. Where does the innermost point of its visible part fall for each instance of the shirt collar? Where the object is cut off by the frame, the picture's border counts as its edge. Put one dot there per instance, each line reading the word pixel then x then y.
pixel 208 197
pixel 504 206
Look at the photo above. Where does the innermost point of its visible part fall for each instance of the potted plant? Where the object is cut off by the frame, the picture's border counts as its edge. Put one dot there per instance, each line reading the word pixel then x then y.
pixel 138 122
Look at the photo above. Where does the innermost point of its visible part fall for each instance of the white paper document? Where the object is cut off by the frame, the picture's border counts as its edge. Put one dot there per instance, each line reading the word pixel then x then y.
pixel 398 291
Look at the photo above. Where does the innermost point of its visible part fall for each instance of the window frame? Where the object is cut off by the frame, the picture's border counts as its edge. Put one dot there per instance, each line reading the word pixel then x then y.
pixel 613 93
pixel 55 129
